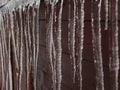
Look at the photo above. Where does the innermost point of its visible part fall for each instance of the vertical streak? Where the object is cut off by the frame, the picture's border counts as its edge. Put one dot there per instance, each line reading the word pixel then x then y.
pixel 49 43
pixel 59 49
pixel 10 65
pixel 27 47
pixel 5 54
pixel 34 41
pixel 72 40
pixel 7 81
pixel 54 42
pixel 9 56
pixel 13 38
pixel 106 14
pixel 7 51
pixel 21 49
pixel 17 35
pixel 69 14
pixel 3 45
pixel 30 47
pixel 96 34
pixel 81 38
pixel 114 58
pixel 37 48
pixel 2 59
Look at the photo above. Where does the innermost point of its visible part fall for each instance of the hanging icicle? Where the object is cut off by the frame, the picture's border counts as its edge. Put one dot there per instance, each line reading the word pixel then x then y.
pixel 36 11
pixel 21 49
pixel 10 64
pixel 2 56
pixel 4 50
pixel 59 48
pixel 96 34
pixel 80 30
pixel 34 43
pixel 71 35
pixel 27 47
pixel 20 40
pixel 72 26
pixel 114 47
pixel 49 44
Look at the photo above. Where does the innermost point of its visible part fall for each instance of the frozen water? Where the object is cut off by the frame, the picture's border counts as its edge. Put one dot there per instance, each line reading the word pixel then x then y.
pixel 20 31
pixel 114 47
pixel 97 49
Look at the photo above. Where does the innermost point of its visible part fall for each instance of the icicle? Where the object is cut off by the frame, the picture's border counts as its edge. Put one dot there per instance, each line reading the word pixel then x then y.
pixel 49 43
pixel 2 59
pixel 27 46
pixel 72 39
pixel 15 27
pixel 4 30
pixel 81 39
pixel 96 34
pixel 17 34
pixel 69 14
pixel 54 43
pixel 27 57
pixel 37 48
pixel 21 49
pixel 106 14
pixel 30 47
pixel 114 57
pixel 5 50
pixel 10 69
pixel 33 40
pixel 13 38
pixel 9 56
pixel 59 49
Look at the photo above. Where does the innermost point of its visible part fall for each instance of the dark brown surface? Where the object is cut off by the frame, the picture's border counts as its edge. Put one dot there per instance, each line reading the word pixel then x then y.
pixel 44 76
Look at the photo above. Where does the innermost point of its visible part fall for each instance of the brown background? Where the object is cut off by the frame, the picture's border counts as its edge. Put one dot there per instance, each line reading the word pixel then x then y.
pixel 43 77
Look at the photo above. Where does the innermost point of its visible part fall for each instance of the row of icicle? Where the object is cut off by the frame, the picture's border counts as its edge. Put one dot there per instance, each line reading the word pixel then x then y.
pixel 19 35
pixel 76 29
pixel 19 44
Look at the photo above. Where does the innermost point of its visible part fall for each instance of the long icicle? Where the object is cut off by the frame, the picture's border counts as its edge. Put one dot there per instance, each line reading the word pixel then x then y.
pixel 13 38
pixel 37 39
pixel 72 40
pixel 16 69
pixel 2 67
pixel 9 51
pixel 21 49
pixel 6 48
pixel 81 38
pixel 96 34
pixel 26 24
pixel 28 45
pixel 114 58
pixel 2 59
pixel 59 49
pixel 34 41
pixel 49 43
pixel 54 43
